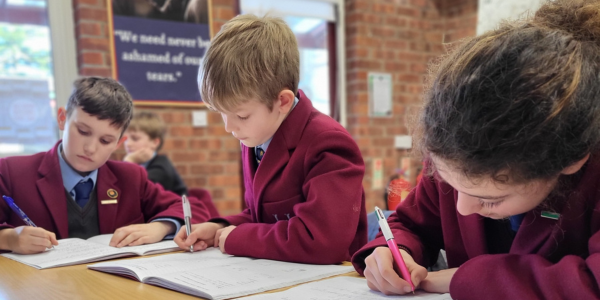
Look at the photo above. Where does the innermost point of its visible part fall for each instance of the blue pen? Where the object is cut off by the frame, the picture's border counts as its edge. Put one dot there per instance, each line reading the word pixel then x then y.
pixel 19 212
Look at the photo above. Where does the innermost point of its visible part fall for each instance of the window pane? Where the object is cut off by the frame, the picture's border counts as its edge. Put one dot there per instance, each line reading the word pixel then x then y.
pixel 314 59
pixel 27 114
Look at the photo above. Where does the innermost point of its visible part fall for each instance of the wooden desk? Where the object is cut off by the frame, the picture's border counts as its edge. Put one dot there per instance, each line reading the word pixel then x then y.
pixel 19 281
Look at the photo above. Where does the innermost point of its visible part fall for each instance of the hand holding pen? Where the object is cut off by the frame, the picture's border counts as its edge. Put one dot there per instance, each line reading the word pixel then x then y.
pixel 380 272
pixel 389 237
pixel 26 239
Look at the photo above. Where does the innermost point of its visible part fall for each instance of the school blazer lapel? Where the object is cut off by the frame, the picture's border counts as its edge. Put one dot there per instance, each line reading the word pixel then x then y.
pixel 283 143
pixel 109 195
pixel 52 191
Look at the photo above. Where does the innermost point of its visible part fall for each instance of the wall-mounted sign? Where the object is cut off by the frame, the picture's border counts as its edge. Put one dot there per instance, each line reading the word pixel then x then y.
pixel 157 47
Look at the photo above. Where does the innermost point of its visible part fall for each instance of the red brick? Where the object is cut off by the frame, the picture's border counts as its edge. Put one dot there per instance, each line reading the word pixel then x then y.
pixel 174 117
pixel 383 8
pixel 409 12
pixel 227 3
pixel 173 144
pixel 207 169
pixel 223 13
pixel 93 43
pixel 181 130
pixel 215 118
pixel 205 144
pixel 198 182
pixel 231 144
pixel 395 66
pixel 395 44
pixel 91 14
pixel 357 5
pixel 224 180
pixel 91 58
pixel 233 192
pixel 234 167
pixel 383 142
pixel 89 29
pixel 77 3
pixel 188 157
pixel 89 71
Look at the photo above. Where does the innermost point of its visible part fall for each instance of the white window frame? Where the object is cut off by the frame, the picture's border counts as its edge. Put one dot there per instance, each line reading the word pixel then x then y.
pixel 64 54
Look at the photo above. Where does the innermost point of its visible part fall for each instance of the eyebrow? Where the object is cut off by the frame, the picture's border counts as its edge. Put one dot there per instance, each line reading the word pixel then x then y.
pixel 475 196
pixel 82 124
pixel 89 127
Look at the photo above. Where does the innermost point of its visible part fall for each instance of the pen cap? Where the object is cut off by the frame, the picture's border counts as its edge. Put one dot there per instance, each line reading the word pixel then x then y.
pixel 8 200
pixel 383 224
pixel 187 211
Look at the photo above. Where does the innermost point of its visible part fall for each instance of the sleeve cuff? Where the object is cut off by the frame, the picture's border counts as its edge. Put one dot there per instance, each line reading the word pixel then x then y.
pixel 177 226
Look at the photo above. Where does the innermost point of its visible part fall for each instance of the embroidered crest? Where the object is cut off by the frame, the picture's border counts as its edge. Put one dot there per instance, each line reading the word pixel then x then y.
pixel 112 193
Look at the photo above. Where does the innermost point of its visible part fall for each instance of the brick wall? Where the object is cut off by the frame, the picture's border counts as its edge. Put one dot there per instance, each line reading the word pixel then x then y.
pixel 205 157
pixel 400 37
pixel 396 36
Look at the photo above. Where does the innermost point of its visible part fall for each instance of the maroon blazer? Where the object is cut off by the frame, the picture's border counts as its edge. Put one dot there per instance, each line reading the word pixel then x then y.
pixel 305 201
pixel 549 259
pixel 35 183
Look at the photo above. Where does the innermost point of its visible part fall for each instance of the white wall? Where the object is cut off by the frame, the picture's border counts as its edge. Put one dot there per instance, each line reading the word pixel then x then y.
pixel 491 12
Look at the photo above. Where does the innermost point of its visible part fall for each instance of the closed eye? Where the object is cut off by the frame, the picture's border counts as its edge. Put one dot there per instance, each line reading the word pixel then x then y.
pixel 489 204
pixel 243 118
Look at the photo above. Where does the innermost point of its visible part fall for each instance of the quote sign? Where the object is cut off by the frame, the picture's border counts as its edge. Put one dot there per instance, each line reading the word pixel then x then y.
pixel 157 57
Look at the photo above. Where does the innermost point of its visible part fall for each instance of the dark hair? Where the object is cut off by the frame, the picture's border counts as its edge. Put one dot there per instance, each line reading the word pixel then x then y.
pixel 104 98
pixel 521 102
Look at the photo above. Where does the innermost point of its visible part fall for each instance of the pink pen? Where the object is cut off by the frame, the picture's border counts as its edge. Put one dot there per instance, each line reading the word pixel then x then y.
pixel 389 237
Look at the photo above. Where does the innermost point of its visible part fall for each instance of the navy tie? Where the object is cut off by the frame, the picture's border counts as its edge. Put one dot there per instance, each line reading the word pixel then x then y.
pixel 82 192
pixel 259 154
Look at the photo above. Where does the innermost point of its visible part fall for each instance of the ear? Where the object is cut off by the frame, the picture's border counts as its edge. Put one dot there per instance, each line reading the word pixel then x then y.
pixel 572 169
pixel 61 118
pixel 121 141
pixel 286 101
pixel 155 143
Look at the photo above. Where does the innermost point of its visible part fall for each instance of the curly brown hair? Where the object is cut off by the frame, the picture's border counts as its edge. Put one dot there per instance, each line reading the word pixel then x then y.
pixel 521 102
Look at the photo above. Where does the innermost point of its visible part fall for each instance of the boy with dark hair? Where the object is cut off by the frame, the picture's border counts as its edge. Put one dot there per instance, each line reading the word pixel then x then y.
pixel 145 136
pixel 74 191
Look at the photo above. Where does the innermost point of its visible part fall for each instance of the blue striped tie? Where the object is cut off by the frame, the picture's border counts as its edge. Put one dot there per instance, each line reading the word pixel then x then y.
pixel 82 192
pixel 259 154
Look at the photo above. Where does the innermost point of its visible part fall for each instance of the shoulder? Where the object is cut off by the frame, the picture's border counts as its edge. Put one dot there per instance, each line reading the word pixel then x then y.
pixel 23 162
pixel 160 162
pixel 322 129
pixel 123 169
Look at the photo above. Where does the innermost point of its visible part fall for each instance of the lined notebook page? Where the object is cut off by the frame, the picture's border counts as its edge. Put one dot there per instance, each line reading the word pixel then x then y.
pixel 341 288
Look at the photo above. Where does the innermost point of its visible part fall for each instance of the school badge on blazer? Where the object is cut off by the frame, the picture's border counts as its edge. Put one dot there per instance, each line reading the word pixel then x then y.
pixel 112 194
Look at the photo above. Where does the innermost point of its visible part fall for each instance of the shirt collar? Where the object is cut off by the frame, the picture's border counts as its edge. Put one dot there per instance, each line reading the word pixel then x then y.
pixel 70 177
pixel 265 145
pixel 145 164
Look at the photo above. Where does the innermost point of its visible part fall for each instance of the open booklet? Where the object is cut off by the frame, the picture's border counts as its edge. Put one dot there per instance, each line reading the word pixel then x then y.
pixel 341 288
pixel 78 251
pixel 213 275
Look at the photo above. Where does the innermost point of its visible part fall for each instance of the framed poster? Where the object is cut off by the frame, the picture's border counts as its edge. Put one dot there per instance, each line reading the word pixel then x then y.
pixel 157 46
pixel 380 94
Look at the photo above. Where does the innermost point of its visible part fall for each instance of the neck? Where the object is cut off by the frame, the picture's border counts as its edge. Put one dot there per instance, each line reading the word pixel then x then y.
pixel 62 153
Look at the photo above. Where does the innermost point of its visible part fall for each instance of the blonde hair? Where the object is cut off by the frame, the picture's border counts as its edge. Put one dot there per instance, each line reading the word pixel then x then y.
pixel 250 58
pixel 149 123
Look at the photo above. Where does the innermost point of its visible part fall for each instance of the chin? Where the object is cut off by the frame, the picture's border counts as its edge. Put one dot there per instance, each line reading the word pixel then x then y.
pixel 248 144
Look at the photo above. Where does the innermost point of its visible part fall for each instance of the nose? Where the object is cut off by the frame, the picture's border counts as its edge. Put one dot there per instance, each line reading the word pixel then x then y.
pixel 229 126
pixel 467 205
pixel 89 147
